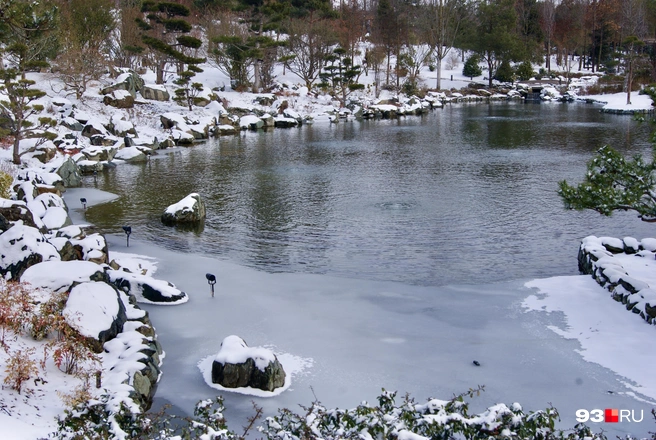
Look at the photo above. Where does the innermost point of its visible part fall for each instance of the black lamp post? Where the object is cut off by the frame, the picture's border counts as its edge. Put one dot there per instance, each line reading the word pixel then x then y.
pixel 128 231
pixel 211 280
pixel 84 203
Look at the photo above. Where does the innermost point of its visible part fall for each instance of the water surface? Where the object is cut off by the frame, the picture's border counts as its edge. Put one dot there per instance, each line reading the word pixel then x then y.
pixel 466 194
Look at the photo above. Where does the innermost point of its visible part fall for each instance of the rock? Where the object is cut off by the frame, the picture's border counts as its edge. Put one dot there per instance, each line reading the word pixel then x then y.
pixel 191 209
pixel 236 366
pixel 131 155
pixel 128 81
pixel 119 99
pixel 119 126
pixel 61 276
pixel 70 173
pixel 155 92
pixel 14 211
pixel 147 289
pixel 22 247
pixel 96 311
pixel 250 122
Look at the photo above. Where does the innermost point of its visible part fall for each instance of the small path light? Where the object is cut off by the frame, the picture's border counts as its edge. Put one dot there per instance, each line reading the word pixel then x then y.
pixel 211 280
pixel 478 364
pixel 84 203
pixel 128 231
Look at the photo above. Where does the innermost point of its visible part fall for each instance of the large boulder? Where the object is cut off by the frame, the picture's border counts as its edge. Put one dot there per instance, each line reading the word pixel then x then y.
pixel 128 81
pixel 237 366
pixel 146 289
pixel 96 311
pixel 16 211
pixel 190 210
pixel 155 92
pixel 70 173
pixel 60 276
pixel 119 99
pixel 22 247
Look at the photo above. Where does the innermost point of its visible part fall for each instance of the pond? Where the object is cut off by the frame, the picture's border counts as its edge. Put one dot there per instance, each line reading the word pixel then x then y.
pixel 465 194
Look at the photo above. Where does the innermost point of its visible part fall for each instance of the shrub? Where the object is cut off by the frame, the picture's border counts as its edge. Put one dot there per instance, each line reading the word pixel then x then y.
pixel 5 185
pixel 505 72
pixel 525 71
pixel 471 67
pixel 20 368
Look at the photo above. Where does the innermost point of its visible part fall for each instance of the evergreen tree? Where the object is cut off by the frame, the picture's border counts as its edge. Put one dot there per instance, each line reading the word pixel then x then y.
pixel 471 67
pixel 27 31
pixel 525 71
pixel 614 183
pixel 340 75
pixel 166 35
pixel 17 107
pixel 505 73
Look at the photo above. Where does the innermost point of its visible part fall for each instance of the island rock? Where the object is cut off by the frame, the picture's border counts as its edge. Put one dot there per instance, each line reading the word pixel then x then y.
pixel 191 209
pixel 237 365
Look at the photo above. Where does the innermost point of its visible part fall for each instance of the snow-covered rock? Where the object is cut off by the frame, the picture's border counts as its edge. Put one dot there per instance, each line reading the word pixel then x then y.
pixel 23 246
pixel 96 311
pixel 147 289
pixel 237 365
pixel 191 209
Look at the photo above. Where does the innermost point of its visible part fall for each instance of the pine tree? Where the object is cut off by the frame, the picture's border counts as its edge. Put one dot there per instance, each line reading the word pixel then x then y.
pixel 340 75
pixel 166 35
pixel 18 108
pixel 471 67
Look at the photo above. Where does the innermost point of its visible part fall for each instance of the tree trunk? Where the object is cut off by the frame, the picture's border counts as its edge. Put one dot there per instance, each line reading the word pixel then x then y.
pixel 16 156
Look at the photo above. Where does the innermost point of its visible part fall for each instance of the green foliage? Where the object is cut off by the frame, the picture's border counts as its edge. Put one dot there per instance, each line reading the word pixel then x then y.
pixel 471 67
pixel 17 107
pixel 614 183
pixel 505 73
pixel 525 71
pixel 436 419
pixel 164 35
pixel 94 420
pixel 340 75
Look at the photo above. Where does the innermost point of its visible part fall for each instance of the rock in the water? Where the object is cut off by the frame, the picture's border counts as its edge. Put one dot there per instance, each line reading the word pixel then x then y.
pixel 191 209
pixel 147 289
pixel 237 365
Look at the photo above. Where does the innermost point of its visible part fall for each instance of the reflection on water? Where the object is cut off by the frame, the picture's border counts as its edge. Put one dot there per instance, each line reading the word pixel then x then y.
pixel 466 194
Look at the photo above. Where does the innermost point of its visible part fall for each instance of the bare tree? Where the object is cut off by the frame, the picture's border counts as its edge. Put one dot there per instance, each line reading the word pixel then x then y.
pixel 308 45
pixel 442 22
pixel 548 26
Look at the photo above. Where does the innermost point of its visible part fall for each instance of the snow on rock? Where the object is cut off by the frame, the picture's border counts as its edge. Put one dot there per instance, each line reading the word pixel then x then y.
pixel 60 275
pixel 237 365
pixel 191 209
pixel 95 310
pixel 627 271
pixel 250 122
pixel 147 289
pixel 23 246
pixel 131 155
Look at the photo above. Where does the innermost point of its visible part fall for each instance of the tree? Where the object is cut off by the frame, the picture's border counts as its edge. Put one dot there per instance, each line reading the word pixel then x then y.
pixel 188 92
pixel 548 25
pixel 17 107
pixel 505 73
pixel 442 21
pixel 86 29
pixel 166 35
pixel 471 67
pixel 493 34
pixel 614 183
pixel 525 71
pixel 340 75
pixel 307 47
pixel 27 33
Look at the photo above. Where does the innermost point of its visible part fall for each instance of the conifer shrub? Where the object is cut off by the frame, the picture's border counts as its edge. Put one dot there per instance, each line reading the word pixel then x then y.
pixel 471 67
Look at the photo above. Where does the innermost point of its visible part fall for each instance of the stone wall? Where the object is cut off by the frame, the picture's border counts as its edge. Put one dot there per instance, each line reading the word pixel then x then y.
pixel 599 257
